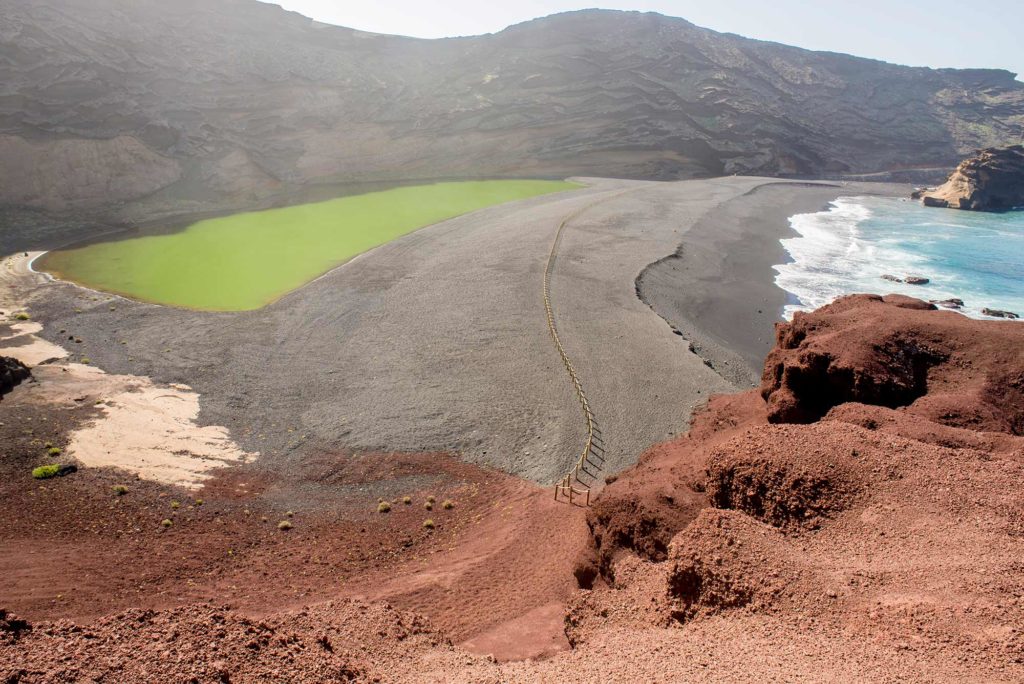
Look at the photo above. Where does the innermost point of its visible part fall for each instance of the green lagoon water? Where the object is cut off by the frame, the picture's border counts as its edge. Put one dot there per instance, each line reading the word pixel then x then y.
pixel 248 260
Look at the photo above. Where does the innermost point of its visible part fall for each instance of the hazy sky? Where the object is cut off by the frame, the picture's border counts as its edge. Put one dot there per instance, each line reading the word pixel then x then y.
pixel 938 33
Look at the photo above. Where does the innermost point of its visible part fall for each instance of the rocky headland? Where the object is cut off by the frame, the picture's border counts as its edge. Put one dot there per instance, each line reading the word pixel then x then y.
pixel 12 373
pixel 992 180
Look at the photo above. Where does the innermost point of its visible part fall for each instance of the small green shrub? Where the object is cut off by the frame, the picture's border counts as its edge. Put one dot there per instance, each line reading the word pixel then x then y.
pixel 407 500
pixel 428 524
pixel 448 505
pixel 166 523
pixel 86 360
pixel 199 502
pixel 46 472
pixel 383 507
pixel 285 525
pixel 175 505
pixel 22 316
pixel 120 490
pixel 54 451
pixel 290 514
pixel 431 499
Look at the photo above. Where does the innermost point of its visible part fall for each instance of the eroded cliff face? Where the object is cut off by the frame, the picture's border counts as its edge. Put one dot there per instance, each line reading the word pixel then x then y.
pixel 869 488
pixel 168 101
pixel 991 180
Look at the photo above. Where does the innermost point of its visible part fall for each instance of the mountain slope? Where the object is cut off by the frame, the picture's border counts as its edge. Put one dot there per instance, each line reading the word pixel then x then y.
pixel 204 104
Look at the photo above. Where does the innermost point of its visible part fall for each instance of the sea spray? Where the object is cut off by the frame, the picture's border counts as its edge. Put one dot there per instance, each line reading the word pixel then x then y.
pixel 976 257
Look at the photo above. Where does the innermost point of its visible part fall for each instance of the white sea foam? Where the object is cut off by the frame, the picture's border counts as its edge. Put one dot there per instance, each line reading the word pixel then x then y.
pixel 849 247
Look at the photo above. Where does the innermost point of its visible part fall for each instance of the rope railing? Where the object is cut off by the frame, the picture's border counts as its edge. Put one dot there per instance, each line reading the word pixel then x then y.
pixel 572 487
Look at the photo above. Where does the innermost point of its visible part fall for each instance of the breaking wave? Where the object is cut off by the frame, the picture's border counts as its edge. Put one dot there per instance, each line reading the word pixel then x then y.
pixel 976 257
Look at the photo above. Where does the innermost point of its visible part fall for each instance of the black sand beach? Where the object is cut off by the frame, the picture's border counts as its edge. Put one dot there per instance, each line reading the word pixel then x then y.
pixel 438 341
pixel 718 290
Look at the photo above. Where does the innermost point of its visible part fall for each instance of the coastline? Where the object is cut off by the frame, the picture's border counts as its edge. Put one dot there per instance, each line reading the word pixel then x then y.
pixel 718 289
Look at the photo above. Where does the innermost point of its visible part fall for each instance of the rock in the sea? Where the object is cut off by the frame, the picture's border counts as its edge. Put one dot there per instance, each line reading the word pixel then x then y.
pixel 12 372
pixel 916 280
pixel 892 278
pixel 998 313
pixel 951 303
pixel 991 181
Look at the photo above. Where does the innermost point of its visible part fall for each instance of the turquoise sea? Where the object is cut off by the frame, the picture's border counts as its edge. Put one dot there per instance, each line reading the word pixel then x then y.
pixel 976 257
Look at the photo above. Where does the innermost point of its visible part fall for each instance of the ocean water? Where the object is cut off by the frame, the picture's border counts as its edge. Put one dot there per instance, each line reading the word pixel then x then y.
pixel 976 257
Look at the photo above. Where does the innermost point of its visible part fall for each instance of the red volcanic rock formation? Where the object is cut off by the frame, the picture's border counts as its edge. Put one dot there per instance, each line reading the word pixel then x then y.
pixel 886 512
pixel 895 351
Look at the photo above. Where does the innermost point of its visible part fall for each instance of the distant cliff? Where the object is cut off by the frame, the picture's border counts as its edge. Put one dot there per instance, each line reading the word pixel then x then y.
pixel 205 103
pixel 991 180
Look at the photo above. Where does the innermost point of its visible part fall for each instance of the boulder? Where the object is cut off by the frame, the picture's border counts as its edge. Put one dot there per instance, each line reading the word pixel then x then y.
pixel 916 280
pixel 998 313
pixel 12 372
pixel 993 180
pixel 897 352
pixel 951 303
pixel 892 278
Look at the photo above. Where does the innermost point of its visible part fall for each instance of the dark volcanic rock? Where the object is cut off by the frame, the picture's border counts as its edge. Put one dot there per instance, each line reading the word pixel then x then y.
pixel 993 180
pixel 916 280
pixel 195 104
pixel 998 313
pixel 892 278
pixel 952 303
pixel 12 372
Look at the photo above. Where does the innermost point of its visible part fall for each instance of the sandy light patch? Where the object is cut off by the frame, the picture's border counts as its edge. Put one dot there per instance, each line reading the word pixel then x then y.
pixel 145 428
pixel 22 344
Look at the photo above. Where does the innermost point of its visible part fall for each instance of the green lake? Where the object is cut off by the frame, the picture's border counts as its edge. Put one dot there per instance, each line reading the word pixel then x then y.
pixel 246 261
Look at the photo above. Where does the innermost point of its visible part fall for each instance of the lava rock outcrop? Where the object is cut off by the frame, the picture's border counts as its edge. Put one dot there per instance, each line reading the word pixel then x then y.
pixel 992 180
pixel 897 351
pixel 12 373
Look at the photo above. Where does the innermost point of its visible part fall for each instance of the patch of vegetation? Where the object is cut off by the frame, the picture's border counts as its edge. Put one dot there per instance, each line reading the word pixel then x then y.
pixel 290 514
pixel 431 499
pixel 285 525
pixel 166 523
pixel 383 507
pixel 448 505
pixel 46 472
pixel 21 316
pixel 407 500
pixel 199 502
pixel 54 451
pixel 429 506
pixel 120 490
pixel 428 524
pixel 175 505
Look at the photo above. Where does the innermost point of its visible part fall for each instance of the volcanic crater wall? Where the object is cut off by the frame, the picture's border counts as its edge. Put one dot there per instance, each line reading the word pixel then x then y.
pixel 111 101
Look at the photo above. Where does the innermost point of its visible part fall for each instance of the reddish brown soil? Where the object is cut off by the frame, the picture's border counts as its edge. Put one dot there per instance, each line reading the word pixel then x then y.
pixel 71 548
pixel 875 543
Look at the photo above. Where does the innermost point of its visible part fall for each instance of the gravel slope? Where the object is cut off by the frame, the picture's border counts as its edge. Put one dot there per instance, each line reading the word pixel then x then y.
pixel 438 340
